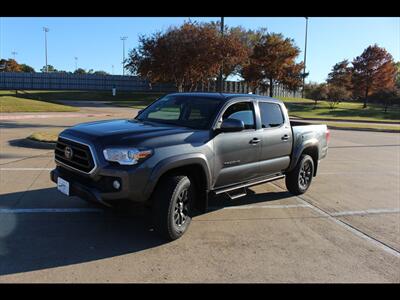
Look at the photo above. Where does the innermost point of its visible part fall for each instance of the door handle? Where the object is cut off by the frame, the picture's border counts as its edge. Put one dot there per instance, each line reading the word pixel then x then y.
pixel 285 137
pixel 255 141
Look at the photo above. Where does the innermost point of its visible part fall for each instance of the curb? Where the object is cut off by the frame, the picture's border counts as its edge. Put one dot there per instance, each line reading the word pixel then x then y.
pixel 347 121
pixel 44 116
pixel 363 129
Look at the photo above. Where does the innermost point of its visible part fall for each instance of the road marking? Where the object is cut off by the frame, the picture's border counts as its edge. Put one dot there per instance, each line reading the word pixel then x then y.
pixel 48 210
pixel 257 206
pixel 26 169
pixel 350 228
pixel 365 212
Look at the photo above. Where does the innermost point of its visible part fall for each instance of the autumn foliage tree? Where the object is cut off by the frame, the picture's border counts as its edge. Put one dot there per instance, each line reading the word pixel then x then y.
pixel 187 55
pixel 273 62
pixel 373 71
pixel 10 65
pixel 339 80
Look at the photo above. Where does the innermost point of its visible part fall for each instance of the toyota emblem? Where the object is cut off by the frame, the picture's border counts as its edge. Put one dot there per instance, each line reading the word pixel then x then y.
pixel 68 152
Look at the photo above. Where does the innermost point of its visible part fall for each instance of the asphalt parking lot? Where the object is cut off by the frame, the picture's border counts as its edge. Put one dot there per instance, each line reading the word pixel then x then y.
pixel 346 228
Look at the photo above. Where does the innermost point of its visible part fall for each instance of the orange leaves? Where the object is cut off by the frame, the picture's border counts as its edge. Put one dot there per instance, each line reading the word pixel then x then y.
pixel 374 70
pixel 187 55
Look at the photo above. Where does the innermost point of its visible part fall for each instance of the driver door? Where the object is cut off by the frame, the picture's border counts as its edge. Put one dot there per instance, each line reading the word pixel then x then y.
pixel 237 153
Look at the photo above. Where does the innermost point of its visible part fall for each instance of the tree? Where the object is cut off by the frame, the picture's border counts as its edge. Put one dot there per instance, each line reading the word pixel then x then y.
pixel 398 74
pixel 50 68
pixel 80 71
pixel 316 92
pixel 339 79
pixel 9 65
pixel 273 62
pixel 336 94
pixel 187 55
pixel 374 70
pixel 100 73
pixel 27 69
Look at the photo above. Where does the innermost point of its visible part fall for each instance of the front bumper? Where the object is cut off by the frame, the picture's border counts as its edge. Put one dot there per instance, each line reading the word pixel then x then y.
pixel 99 189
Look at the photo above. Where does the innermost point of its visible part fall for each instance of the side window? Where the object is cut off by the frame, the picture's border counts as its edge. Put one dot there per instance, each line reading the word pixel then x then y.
pixel 241 111
pixel 271 114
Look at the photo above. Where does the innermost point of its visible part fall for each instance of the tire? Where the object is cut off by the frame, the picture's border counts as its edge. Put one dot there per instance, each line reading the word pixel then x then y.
pixel 299 179
pixel 172 206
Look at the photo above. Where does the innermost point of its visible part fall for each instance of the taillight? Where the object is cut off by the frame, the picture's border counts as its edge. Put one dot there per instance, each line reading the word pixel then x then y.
pixel 328 135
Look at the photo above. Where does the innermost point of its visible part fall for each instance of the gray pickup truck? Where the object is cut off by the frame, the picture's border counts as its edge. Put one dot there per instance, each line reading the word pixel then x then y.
pixel 185 147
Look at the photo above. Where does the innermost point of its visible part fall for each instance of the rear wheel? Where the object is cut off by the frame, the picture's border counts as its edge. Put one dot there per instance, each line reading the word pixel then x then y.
pixel 172 206
pixel 299 179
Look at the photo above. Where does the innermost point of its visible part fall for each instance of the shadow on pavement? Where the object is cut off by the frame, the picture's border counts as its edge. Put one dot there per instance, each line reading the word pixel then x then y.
pixel 27 143
pixel 35 241
pixel 251 198
pixel 13 125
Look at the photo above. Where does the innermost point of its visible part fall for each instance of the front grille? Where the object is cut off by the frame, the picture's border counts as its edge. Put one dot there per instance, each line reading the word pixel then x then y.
pixel 81 156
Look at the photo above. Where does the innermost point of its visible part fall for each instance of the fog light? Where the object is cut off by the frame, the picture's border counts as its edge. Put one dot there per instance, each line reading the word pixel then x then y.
pixel 116 184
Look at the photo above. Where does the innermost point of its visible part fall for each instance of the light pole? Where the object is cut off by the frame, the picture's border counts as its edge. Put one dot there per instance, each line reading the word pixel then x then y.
pixel 112 67
pixel 305 58
pixel 14 53
pixel 221 70
pixel 123 39
pixel 76 63
pixel 46 30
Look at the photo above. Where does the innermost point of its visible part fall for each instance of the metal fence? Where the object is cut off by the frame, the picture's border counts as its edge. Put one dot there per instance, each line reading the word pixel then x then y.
pixel 67 81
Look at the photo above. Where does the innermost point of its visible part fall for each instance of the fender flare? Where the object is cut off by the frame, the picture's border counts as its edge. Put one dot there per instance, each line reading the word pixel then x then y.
pixel 298 150
pixel 177 161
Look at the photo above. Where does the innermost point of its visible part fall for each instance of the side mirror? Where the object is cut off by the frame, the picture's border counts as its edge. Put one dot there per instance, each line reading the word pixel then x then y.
pixel 232 125
pixel 140 111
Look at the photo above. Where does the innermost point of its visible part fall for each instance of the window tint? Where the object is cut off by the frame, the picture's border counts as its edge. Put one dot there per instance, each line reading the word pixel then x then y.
pixel 271 115
pixel 194 112
pixel 242 111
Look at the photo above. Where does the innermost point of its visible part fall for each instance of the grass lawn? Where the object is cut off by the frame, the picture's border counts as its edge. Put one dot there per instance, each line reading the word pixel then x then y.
pixel 298 107
pixel 44 136
pixel 84 95
pixel 351 111
pixel 15 104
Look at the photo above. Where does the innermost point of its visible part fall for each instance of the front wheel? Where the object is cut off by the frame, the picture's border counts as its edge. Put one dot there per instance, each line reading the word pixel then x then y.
pixel 172 204
pixel 299 179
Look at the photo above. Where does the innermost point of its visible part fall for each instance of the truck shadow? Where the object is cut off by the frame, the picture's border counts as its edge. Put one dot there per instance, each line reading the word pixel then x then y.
pixel 38 240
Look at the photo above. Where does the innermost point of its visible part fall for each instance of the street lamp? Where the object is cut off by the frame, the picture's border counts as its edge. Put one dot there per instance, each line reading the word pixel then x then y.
pixel 76 63
pixel 14 53
pixel 46 30
pixel 221 70
pixel 123 39
pixel 305 58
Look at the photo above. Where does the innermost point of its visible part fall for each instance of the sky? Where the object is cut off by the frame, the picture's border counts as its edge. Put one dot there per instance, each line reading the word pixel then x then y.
pixel 96 41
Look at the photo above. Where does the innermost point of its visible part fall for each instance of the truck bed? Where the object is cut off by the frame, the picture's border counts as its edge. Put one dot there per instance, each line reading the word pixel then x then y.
pixel 318 133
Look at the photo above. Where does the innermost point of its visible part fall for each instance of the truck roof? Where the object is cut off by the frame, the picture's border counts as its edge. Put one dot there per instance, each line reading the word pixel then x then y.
pixel 224 96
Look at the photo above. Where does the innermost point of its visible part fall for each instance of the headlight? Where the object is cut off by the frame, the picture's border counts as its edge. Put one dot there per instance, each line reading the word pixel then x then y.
pixel 126 156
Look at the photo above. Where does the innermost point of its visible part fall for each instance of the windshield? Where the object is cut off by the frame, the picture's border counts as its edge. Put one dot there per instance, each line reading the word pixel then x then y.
pixel 187 111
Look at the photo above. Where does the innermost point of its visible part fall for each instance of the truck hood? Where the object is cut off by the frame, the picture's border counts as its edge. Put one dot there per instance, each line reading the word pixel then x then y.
pixel 122 131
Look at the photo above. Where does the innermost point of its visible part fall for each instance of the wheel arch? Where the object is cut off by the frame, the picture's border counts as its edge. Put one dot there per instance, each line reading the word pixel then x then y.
pixel 195 166
pixel 311 148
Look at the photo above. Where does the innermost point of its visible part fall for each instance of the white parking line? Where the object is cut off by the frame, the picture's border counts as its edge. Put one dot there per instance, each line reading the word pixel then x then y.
pixel 48 210
pixel 26 169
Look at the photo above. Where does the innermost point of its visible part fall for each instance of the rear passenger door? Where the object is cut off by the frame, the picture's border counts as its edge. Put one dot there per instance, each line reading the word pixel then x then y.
pixel 276 138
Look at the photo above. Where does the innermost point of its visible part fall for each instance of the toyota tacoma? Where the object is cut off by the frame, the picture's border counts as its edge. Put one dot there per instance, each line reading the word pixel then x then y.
pixel 184 148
